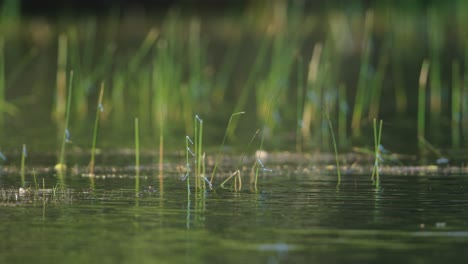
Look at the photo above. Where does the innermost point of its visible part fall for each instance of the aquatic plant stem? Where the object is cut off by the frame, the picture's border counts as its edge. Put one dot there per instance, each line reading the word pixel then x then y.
pixel 62 165
pixel 338 170
pixel 422 102
pixel 222 145
pixel 377 139
pixel 199 151
pixel 161 159
pixel 342 114
pixel 99 109
pixel 43 200
pixel 36 186
pixel 23 161
pixel 195 147
pixel 61 78
pixel 137 158
pixel 260 149
pixel 299 103
pixel 188 170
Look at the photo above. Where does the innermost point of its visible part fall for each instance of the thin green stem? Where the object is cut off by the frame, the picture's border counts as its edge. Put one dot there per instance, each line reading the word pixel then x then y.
pixel 99 109
pixel 422 100
pixel 377 140
pixel 338 170
pixel 67 119
pixel 222 144
pixel 23 161
pixel 137 157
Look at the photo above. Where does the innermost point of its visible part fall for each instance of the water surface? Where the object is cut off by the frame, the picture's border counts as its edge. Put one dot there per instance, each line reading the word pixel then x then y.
pixel 293 218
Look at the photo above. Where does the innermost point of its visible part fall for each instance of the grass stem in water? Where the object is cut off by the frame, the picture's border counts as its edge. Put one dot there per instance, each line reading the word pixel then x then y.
pixel 99 109
pixel 137 158
pixel 24 154
pixel 61 166
pixel 222 145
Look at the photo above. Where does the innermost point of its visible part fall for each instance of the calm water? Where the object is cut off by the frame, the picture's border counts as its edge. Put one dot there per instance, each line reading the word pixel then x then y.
pixel 293 218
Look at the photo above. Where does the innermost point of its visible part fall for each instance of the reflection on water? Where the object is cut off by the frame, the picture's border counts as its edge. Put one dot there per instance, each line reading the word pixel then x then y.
pixel 295 218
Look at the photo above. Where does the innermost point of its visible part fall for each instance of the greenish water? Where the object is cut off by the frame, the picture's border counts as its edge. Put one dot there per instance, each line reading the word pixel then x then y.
pixel 300 74
pixel 293 218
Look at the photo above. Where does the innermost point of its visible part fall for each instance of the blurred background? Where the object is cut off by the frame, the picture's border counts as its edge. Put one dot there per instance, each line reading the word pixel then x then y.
pixel 294 67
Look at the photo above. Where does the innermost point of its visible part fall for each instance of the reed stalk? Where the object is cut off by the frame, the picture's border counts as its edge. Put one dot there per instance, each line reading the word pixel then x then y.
pixel 187 164
pixel 43 200
pixel 422 101
pixel 198 150
pixel 260 149
pixel 377 139
pixel 335 148
pixel 61 79
pixel 222 145
pixel 99 110
pixel 137 157
pixel 299 103
pixel 36 186
pixel 343 109
pixel 24 154
pixel 61 166
pixel 312 104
